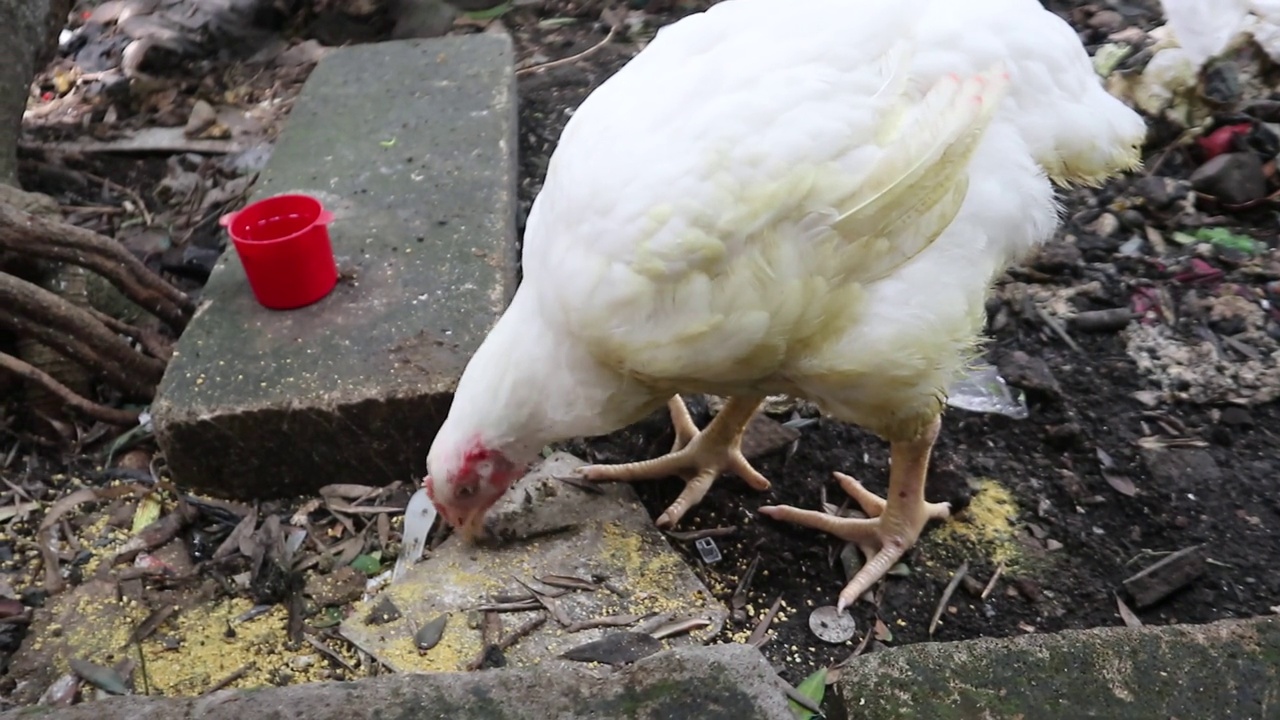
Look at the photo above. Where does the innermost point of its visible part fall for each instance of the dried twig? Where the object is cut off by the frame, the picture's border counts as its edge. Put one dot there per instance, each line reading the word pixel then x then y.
pixel 552 606
pixel 112 416
pixel 991 584
pixel 511 639
pixel 150 341
pixel 946 595
pixel 613 30
pixel 234 676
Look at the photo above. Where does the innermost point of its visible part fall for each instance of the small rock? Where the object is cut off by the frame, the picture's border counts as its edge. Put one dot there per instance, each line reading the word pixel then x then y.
pixel 1108 21
pixel 1057 258
pixel 421 18
pixel 202 117
pixel 1161 192
pixel 1182 469
pixel 1237 417
pixel 1106 225
pixel 1233 178
pixel 383 612
pixel 1029 373
pixel 342 586
pixel 1133 219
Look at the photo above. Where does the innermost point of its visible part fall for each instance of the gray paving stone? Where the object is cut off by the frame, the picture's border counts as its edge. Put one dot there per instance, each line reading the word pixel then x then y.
pixel 722 682
pixel 549 528
pixel 412 145
pixel 1228 669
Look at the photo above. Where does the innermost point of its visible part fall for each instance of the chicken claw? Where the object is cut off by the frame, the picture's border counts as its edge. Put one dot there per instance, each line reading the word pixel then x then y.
pixel 892 526
pixel 698 457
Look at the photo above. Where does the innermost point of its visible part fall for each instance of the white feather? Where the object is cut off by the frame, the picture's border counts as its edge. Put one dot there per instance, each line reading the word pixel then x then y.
pixel 753 205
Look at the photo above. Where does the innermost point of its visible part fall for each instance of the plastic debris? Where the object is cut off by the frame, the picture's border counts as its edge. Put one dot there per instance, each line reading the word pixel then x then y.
pixel 708 550
pixel 983 390
pixel 419 516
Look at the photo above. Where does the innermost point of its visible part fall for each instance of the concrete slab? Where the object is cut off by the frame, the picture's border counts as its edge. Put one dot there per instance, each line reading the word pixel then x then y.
pixel 608 536
pixel 724 682
pixel 1228 669
pixel 412 146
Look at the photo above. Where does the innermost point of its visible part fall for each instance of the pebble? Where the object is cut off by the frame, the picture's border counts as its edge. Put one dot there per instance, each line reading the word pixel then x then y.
pixel 1107 21
pixel 1161 192
pixel 1233 178
pixel 1029 373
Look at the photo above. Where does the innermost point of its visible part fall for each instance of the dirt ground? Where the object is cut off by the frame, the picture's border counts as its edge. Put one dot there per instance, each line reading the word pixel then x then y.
pixel 1110 472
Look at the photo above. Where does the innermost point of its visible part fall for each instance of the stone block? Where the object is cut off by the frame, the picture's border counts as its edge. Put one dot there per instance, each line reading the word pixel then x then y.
pixel 722 682
pixel 412 145
pixel 1228 669
pixel 545 527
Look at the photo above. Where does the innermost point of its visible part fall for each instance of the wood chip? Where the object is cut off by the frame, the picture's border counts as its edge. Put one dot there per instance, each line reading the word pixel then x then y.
pixel 1166 577
pixel 690 535
pixel 761 632
pixel 946 595
pixel 568 582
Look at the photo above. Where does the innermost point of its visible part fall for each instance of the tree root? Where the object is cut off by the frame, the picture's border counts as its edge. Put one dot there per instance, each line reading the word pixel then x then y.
pixel 76 333
pixel 89 408
pixel 40 237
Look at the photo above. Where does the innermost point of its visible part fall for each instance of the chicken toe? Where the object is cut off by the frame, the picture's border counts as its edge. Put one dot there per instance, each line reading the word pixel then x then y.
pixel 893 524
pixel 697 456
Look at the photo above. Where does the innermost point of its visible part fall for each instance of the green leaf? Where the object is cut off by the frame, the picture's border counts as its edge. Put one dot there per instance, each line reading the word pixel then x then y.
pixel 329 617
pixel 491 13
pixel 1224 238
pixel 367 564
pixel 813 687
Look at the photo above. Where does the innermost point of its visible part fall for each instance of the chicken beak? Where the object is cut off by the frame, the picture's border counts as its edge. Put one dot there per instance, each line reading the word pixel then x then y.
pixel 471 526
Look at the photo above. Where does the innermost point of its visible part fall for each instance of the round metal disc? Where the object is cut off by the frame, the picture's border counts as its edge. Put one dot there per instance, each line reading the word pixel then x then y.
pixel 832 626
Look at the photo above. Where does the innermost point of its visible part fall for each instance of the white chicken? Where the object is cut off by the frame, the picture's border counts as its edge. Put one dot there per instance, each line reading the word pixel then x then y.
pixel 809 197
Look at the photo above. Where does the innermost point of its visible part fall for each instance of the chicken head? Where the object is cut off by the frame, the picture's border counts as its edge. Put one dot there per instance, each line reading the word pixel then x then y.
pixel 465 485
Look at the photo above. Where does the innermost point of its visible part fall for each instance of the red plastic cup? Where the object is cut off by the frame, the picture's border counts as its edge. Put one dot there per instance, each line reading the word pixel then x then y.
pixel 283 243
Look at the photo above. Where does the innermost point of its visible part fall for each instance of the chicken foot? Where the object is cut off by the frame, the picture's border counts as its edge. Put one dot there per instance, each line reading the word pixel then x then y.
pixel 892 526
pixel 698 457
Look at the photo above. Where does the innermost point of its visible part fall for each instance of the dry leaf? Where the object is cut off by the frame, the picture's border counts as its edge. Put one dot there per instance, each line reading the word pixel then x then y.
pixel 1130 619
pixel 1121 483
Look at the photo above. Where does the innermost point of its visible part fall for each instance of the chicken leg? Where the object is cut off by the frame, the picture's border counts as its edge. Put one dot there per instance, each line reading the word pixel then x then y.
pixel 894 523
pixel 698 457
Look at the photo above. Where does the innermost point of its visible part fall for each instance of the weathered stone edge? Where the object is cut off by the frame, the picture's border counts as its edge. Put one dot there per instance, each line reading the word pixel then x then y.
pixel 1227 669
pixel 727 682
